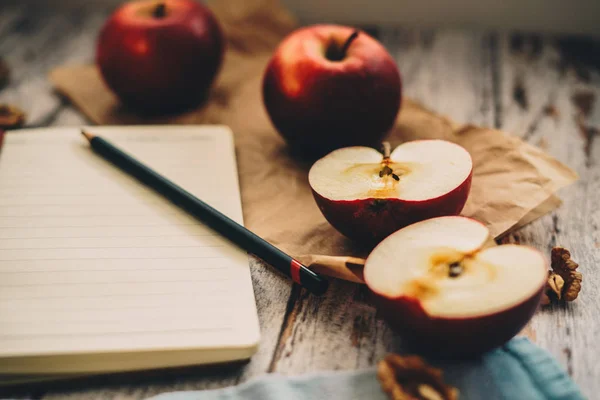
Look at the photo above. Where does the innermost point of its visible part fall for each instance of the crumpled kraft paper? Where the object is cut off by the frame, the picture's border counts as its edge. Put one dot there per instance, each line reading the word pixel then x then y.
pixel 513 182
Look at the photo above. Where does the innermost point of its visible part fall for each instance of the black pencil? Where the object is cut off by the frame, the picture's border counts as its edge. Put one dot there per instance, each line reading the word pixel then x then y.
pixel 219 222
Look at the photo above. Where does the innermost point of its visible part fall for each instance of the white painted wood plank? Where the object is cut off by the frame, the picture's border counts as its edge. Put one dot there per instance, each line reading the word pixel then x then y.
pixel 36 42
pixel 550 118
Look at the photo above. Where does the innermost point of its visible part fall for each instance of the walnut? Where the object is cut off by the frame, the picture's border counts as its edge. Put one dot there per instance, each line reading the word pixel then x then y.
pixel 564 282
pixel 410 378
pixel 11 116
pixel 566 268
pixel 554 287
pixel 556 283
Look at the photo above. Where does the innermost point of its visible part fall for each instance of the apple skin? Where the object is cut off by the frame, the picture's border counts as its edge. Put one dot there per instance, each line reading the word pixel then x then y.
pixel 455 337
pixel 160 65
pixel 371 220
pixel 319 105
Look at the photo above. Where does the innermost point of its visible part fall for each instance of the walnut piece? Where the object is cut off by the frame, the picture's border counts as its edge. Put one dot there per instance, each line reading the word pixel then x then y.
pixel 566 268
pixel 564 282
pixel 11 116
pixel 554 287
pixel 556 284
pixel 410 378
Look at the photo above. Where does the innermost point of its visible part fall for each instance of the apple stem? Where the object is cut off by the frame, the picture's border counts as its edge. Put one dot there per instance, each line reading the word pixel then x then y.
pixel 335 53
pixel 347 44
pixel 160 10
pixel 386 170
pixel 386 149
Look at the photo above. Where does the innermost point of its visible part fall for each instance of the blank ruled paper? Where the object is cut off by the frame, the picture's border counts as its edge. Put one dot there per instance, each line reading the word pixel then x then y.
pixel 99 274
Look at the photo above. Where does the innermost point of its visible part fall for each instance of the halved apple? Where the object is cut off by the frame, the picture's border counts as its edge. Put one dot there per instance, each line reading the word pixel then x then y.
pixel 439 284
pixel 367 195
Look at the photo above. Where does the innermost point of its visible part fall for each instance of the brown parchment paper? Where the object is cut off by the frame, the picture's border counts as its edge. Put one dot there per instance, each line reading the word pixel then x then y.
pixel 513 182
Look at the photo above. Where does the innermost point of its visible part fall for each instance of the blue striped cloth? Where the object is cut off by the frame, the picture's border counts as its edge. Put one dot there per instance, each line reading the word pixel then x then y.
pixel 517 371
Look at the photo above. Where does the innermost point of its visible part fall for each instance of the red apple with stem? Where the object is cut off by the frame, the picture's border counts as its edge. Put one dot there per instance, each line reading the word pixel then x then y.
pixel 331 86
pixel 439 284
pixel 367 195
pixel 160 56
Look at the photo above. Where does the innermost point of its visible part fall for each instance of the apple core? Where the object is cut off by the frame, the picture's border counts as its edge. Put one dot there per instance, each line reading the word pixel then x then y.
pixel 386 170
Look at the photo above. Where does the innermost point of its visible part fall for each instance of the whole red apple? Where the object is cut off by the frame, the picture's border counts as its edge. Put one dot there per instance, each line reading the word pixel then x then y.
pixel 367 195
pixel 160 56
pixel 330 86
pixel 439 284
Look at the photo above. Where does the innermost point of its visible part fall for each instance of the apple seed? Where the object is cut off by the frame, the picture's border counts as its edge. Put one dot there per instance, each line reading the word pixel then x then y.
pixel 455 270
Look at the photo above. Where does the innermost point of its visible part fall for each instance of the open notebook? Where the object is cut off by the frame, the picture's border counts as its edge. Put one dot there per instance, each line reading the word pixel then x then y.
pixel 100 274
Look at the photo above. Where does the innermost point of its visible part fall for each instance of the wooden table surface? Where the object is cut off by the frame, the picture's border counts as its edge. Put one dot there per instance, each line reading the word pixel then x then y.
pixel 541 88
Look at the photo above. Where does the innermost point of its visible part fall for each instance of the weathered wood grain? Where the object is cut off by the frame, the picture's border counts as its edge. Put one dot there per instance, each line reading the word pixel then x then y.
pixel 550 103
pixel 450 71
pixel 36 39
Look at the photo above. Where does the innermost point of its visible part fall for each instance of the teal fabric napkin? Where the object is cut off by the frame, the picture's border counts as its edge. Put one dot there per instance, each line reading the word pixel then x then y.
pixel 517 371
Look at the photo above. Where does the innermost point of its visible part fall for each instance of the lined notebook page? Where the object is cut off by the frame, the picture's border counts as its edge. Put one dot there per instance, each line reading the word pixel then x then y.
pixel 98 269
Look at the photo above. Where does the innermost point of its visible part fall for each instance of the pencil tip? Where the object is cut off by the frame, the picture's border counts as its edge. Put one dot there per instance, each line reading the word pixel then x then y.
pixel 87 135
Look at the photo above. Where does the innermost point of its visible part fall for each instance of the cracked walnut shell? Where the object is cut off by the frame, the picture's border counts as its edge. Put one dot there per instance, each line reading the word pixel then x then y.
pixel 564 282
pixel 410 378
pixel 566 268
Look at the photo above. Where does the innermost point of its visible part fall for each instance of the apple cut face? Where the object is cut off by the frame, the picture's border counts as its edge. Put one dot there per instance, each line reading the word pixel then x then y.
pixel 367 196
pixel 426 169
pixel 449 273
pixel 438 280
